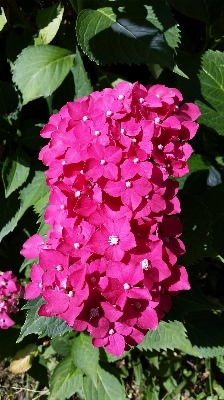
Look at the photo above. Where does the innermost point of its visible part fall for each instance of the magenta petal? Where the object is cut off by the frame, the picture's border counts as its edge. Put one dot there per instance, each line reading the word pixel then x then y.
pixel 57 302
pixel 148 319
pixel 116 345
pixel 32 246
pixel 32 291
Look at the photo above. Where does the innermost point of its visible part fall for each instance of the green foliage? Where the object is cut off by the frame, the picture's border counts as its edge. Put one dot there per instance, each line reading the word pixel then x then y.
pixel 65 381
pixel 42 326
pixel 48 21
pixel 132 33
pixel 197 226
pixel 15 171
pixel 82 83
pixel 47 68
pixel 85 356
pixel 170 335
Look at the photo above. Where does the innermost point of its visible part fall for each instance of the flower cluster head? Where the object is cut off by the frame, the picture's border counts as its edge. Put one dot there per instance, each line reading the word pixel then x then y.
pixel 9 297
pixel 109 261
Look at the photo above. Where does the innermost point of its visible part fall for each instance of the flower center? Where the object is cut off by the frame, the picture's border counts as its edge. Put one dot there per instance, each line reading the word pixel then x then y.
pixel 113 240
pixel 126 286
pixel 77 193
pixel 94 312
pixel 145 264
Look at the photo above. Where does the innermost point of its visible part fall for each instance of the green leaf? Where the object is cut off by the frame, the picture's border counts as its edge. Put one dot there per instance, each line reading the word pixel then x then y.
pixel 62 344
pixel 85 356
pixel 8 98
pixel 41 204
pixel 65 381
pixel 213 199
pixel 48 21
pixel 133 33
pixel 197 230
pixel 109 387
pixel 192 300
pixel 42 326
pixel 9 209
pixel 15 171
pixel 168 335
pixel 195 163
pixel 205 331
pixel 34 191
pixel 22 360
pixel 203 10
pixel 39 70
pixel 83 85
pixel 89 390
pixel 3 19
pixel 207 86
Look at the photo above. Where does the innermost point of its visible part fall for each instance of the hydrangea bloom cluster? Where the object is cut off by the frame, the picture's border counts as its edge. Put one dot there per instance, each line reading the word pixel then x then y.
pixel 109 262
pixel 9 296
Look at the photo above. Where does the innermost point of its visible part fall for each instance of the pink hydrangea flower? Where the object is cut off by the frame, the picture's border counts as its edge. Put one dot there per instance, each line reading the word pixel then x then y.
pixel 109 262
pixel 10 292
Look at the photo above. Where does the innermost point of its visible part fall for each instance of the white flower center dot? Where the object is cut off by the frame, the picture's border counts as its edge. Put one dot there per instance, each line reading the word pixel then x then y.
pixel 126 286
pixel 145 264
pixel 77 193
pixel 113 240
